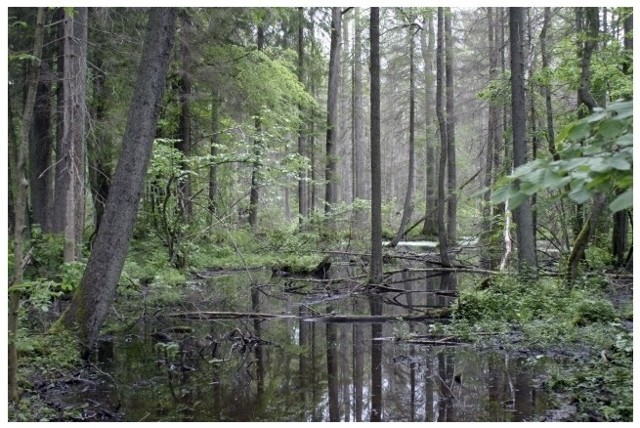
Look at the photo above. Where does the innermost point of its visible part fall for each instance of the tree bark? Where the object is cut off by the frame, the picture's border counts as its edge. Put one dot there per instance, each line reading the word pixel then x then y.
pixel 375 268
pixel 430 227
pixel 256 174
pixel 546 25
pixel 452 206
pixel 92 300
pixel 40 150
pixel 21 196
pixel 487 228
pixel 303 203
pixel 408 206
pixel 359 143
pixel 522 215
pixel 75 111
pixel 183 143
pixel 332 113
pixel 442 127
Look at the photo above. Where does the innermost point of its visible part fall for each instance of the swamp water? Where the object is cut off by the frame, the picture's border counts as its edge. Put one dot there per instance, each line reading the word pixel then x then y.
pixel 319 359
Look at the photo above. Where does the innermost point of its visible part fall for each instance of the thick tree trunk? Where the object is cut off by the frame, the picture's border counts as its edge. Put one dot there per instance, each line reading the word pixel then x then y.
pixel 522 215
pixel 375 268
pixel 452 206
pixel 75 112
pixel 430 227
pixel 442 127
pixel 62 161
pixel 21 196
pixel 92 300
pixel 332 113
pixel 41 151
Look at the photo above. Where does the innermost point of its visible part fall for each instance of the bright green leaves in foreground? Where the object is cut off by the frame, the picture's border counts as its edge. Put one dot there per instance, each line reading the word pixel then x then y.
pixel 595 155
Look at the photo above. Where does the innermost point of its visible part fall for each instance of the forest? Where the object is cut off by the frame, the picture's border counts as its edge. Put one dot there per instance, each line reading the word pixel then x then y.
pixel 320 214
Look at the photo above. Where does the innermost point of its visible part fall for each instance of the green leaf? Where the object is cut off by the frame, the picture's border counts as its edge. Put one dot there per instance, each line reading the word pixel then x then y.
pixel 623 201
pixel 610 128
pixel 552 180
pixel 619 162
pixel 579 131
pixel 501 194
pixel 625 140
pixel 516 200
pixel 579 195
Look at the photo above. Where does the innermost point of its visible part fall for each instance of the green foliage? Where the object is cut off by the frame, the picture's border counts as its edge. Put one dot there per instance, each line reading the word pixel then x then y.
pixel 596 155
pixel 591 310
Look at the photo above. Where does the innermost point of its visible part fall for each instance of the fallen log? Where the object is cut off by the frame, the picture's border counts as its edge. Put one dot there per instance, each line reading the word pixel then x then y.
pixel 430 314
pixel 215 315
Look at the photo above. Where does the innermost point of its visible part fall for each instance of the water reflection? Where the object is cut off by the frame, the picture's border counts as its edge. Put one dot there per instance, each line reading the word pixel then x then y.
pixel 300 370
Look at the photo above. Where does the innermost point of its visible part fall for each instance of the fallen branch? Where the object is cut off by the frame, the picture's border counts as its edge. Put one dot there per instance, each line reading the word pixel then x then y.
pixel 214 315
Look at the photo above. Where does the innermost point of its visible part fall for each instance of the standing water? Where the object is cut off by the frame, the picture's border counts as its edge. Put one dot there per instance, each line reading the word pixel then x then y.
pixel 313 352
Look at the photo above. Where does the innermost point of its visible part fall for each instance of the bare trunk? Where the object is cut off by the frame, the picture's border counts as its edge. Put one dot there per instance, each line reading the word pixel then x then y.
pixel 332 113
pixel 75 67
pixel 522 215
pixel 256 174
pixel 430 227
pixel 406 212
pixel 41 151
pixel 92 300
pixel 303 203
pixel 21 196
pixel 452 206
pixel 375 268
pixel 442 127
pixel 359 143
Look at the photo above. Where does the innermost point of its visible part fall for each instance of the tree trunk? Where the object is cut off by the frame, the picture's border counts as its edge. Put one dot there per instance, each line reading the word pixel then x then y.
pixel 41 150
pixel 92 300
pixel 303 203
pixel 184 143
pixel 256 174
pixel 359 143
pixel 522 215
pixel 620 219
pixel 442 127
pixel 21 196
pixel 546 25
pixel 375 268
pixel 332 113
pixel 213 151
pixel 430 227
pixel 406 211
pixel 99 154
pixel 487 229
pixel 63 162
pixel 628 38
pixel 532 111
pixel 75 68
pixel 452 206
pixel 582 240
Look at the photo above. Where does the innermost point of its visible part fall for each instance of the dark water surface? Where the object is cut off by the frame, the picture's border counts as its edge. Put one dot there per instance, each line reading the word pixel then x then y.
pixel 305 368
